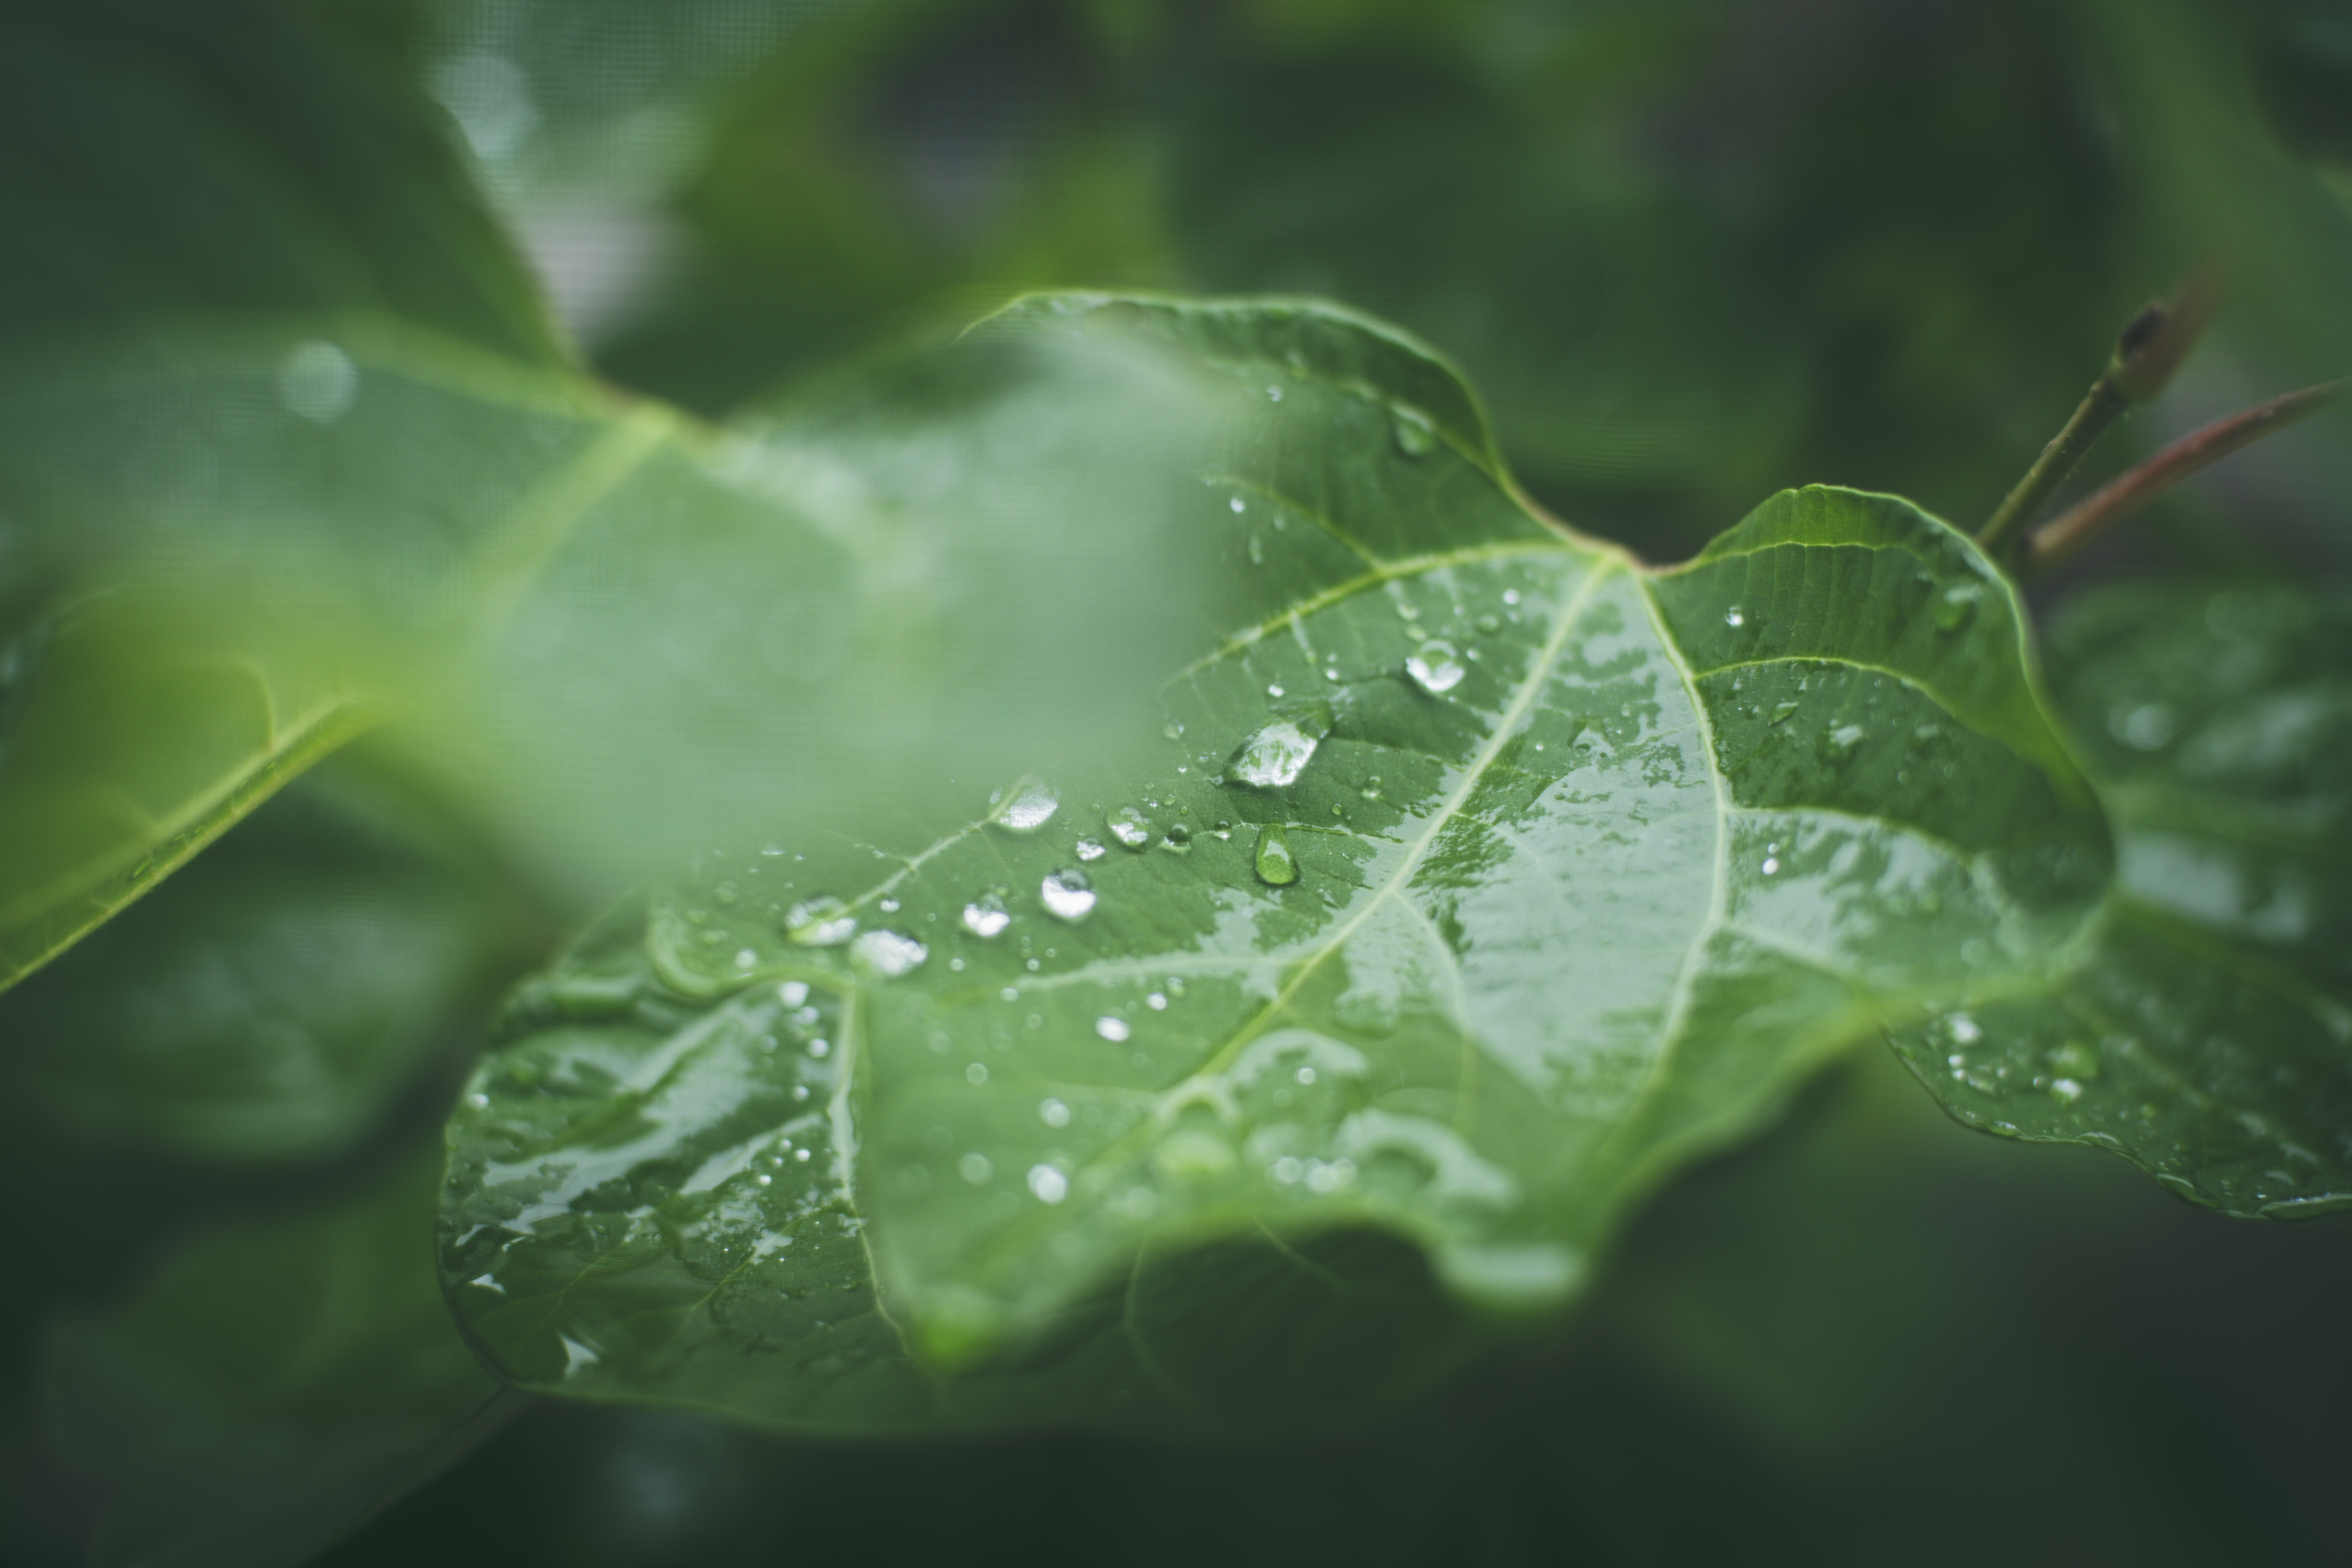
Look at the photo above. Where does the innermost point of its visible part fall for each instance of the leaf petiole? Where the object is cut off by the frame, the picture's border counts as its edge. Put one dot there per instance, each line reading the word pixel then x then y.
pixel 2149 351
pixel 2059 540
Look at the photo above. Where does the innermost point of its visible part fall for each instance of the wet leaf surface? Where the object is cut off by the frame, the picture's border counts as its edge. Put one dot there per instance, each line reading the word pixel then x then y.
pixel 1581 865
pixel 2201 1026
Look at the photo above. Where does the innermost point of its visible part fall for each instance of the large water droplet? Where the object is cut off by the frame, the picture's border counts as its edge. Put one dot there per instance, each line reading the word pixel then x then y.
pixel 1129 826
pixel 820 921
pixel 1277 866
pixel 1275 756
pixel 1068 893
pixel 887 953
pixel 986 917
pixel 1435 668
pixel 1030 809
pixel 1050 1185
pixel 1415 433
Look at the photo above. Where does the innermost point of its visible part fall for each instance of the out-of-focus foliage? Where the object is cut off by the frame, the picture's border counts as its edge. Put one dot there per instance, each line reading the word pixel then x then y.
pixel 1693 251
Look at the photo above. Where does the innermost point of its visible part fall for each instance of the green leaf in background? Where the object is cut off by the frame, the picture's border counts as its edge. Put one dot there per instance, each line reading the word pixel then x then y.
pixel 277 1000
pixel 1485 877
pixel 2202 1025
pixel 615 634
pixel 272 1383
pixel 132 736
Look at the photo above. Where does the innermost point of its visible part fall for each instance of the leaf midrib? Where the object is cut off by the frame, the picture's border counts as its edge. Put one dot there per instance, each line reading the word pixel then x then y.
pixel 1540 670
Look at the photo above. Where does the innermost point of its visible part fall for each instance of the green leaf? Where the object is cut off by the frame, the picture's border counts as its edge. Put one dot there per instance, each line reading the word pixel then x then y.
pixel 283 449
pixel 1587 864
pixel 130 737
pixel 2201 1026
pixel 163 163
pixel 620 636
pixel 272 1383
pixel 274 1001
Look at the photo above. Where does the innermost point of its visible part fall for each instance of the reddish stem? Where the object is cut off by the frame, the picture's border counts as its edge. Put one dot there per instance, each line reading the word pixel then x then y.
pixel 2058 541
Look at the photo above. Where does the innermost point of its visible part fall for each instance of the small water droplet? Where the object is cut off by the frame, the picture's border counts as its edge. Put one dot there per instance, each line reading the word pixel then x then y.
pixel 1435 668
pixel 976 1074
pixel 1257 551
pixel 976 1168
pixel 1157 1002
pixel 1771 867
pixel 1050 1185
pixel 986 917
pixel 1068 893
pixel 1734 616
pixel 1129 826
pixel 1053 1113
pixel 820 922
pixel 1951 609
pixel 726 893
pixel 1782 710
pixel 317 381
pixel 1090 850
pixel 1238 505
pixel 1112 1029
pixel 1178 838
pixel 1274 691
pixel 1415 433
pixel 1277 866
pixel 2148 727
pixel 478 1101
pixel 1030 809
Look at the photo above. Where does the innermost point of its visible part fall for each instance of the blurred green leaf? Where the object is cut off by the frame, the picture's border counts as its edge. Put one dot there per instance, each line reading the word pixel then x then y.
pixel 1580 866
pixel 272 506
pixel 272 1383
pixel 2202 1027
pixel 132 737
pixel 273 1001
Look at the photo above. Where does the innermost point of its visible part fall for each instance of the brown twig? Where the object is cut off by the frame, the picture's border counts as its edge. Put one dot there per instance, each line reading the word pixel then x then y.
pixel 2058 541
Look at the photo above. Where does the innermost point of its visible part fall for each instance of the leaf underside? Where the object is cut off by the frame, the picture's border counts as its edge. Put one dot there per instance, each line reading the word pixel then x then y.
pixel 1485 876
